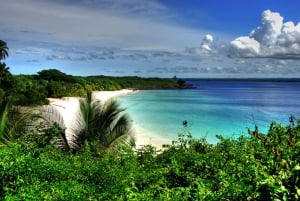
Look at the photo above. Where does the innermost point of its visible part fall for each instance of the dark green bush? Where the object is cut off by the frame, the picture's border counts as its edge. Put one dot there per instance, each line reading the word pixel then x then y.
pixel 255 167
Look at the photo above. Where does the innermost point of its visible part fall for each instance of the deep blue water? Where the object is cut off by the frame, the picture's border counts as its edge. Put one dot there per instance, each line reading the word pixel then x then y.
pixel 213 107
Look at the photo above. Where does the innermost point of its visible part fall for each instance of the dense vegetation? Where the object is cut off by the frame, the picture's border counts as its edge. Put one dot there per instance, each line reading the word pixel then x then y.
pixel 38 161
pixel 96 126
pixel 34 89
pixel 253 167
pixel 30 90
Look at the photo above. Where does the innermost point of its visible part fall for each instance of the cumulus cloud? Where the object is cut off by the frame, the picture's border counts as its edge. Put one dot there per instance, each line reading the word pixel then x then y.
pixel 245 47
pixel 207 42
pixel 206 48
pixel 273 39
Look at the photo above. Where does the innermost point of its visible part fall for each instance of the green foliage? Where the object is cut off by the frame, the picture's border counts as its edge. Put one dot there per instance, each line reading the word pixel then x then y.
pixel 6 83
pixel 54 75
pixel 96 127
pixel 29 92
pixel 2 96
pixel 14 122
pixel 181 82
pixel 255 167
pixel 56 89
pixel 10 121
pixel 3 50
pixel 3 121
pixel 35 89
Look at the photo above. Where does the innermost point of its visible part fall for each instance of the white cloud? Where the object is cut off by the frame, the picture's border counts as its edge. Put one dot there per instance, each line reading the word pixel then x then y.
pixel 245 47
pixel 207 40
pixel 274 39
pixel 207 47
pixel 103 36
pixel 206 44
pixel 268 33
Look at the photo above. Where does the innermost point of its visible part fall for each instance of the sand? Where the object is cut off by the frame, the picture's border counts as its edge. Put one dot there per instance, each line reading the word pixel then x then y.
pixel 68 106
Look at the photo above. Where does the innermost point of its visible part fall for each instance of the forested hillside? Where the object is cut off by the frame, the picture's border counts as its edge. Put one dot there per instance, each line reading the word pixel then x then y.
pixel 35 89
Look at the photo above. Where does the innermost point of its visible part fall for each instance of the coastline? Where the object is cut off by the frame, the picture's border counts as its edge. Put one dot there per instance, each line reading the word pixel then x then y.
pixel 106 95
pixel 68 106
pixel 144 138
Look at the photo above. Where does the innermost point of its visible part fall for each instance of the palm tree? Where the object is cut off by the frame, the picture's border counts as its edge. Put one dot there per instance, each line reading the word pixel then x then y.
pixel 3 50
pixel 6 78
pixel 97 126
pixel 3 122
pixel 12 123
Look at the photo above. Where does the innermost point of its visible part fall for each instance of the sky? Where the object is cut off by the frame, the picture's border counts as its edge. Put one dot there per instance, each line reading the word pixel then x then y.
pixel 153 38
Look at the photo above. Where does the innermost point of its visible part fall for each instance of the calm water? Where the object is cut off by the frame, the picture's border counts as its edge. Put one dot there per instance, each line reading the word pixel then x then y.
pixel 214 107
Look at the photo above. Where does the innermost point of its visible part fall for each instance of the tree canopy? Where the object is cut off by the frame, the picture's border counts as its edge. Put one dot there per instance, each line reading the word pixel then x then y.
pixel 54 75
pixel 3 50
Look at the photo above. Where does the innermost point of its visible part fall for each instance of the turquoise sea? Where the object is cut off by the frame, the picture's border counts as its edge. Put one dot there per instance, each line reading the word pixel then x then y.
pixel 226 108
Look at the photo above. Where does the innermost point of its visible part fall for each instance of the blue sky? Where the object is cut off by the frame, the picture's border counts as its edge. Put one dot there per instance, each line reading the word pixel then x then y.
pixel 161 38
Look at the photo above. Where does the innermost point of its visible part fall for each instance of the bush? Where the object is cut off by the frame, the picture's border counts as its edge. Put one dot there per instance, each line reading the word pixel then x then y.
pixel 255 167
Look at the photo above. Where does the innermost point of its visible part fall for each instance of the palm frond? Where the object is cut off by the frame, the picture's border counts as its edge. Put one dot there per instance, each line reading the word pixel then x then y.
pixel 109 115
pixel 3 50
pixel 83 127
pixel 115 124
pixel 12 123
pixel 52 116
pixel 118 128
pixel 62 142
pixel 125 140
pixel 19 119
pixel 3 122
pixel 96 124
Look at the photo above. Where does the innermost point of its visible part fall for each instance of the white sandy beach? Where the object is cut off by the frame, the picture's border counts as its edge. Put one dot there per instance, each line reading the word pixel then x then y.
pixel 145 138
pixel 68 106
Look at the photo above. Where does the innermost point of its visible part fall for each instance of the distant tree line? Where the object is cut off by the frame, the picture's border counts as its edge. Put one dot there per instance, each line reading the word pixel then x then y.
pixel 100 163
pixel 35 89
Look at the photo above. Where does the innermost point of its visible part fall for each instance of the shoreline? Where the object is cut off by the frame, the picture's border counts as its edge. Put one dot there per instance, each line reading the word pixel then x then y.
pixel 68 106
pixel 143 138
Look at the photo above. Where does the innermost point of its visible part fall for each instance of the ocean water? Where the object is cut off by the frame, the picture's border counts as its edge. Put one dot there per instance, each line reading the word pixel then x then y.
pixel 225 108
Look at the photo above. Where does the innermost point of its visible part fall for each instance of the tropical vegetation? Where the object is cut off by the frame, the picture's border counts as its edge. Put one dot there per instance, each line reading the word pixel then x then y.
pixel 42 159
pixel 251 167
pixel 97 126
pixel 31 90
pixel 3 50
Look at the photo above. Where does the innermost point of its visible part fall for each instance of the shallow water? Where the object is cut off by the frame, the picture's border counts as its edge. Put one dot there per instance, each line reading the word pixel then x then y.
pixel 214 107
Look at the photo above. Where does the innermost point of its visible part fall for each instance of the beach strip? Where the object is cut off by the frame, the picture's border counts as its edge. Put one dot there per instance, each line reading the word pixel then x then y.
pixel 68 106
